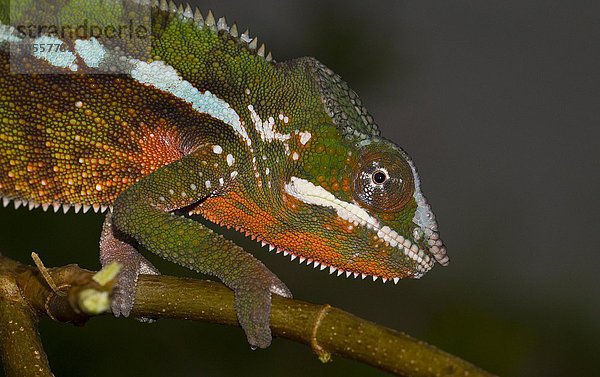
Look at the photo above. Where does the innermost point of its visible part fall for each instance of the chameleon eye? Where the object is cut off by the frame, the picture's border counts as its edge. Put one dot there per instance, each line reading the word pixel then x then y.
pixel 383 182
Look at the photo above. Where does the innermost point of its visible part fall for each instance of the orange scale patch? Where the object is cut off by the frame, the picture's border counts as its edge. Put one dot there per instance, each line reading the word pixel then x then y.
pixel 159 146
pixel 341 225
pixel 235 211
pixel 308 245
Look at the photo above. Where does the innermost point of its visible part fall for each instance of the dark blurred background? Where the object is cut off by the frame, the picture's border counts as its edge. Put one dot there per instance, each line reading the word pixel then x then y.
pixel 498 104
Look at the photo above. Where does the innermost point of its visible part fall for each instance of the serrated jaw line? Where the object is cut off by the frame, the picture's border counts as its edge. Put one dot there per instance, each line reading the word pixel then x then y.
pixel 310 261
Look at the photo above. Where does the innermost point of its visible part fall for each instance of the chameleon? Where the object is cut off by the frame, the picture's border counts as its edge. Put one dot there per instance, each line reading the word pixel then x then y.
pixel 197 119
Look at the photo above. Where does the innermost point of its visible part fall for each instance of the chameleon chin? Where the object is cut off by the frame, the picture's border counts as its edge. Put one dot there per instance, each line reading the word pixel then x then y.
pixel 207 122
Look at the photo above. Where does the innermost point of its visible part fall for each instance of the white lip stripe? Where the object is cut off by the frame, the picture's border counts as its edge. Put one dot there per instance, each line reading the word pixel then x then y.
pixel 309 193
pixel 164 77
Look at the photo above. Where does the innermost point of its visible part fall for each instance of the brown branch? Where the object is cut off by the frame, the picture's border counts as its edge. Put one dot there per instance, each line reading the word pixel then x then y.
pixel 326 329
pixel 20 344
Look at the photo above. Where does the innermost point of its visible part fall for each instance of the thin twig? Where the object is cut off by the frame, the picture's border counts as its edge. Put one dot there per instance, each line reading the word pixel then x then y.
pixel 44 271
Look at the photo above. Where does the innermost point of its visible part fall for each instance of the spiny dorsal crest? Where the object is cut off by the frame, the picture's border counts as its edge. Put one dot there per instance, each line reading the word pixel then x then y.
pixel 342 103
pixel 214 24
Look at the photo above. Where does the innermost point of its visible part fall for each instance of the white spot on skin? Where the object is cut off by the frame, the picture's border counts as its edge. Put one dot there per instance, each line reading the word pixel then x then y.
pixel 171 192
pixel 164 77
pixel 193 187
pixel 305 137
pixel 91 51
pixel 267 171
pixel 208 185
pixel 98 187
pixel 56 56
pixel 221 182
pixel 295 156
pixel 266 129
pixel 217 149
pixel 230 160
pixel 78 104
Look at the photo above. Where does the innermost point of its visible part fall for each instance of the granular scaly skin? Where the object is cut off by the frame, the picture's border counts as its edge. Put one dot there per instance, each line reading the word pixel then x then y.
pixel 206 123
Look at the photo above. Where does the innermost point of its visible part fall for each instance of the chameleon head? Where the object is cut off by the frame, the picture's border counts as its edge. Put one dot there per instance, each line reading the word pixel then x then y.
pixel 370 215
pixel 339 196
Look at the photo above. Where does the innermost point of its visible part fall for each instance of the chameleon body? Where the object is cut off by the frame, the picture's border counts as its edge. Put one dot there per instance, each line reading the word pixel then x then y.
pixel 202 121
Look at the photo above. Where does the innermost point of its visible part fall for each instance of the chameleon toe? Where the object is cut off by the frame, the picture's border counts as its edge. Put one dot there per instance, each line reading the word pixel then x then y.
pixel 253 309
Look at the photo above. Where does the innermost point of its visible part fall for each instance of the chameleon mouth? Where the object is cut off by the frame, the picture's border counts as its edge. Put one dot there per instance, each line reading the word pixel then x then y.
pixel 422 256
pixel 315 263
pixel 236 220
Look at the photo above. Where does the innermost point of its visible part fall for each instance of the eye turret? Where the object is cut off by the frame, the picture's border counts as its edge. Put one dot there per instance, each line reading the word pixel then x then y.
pixel 383 181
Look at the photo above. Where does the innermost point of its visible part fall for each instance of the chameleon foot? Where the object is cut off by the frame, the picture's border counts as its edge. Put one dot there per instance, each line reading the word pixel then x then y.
pixel 253 307
pixel 115 248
